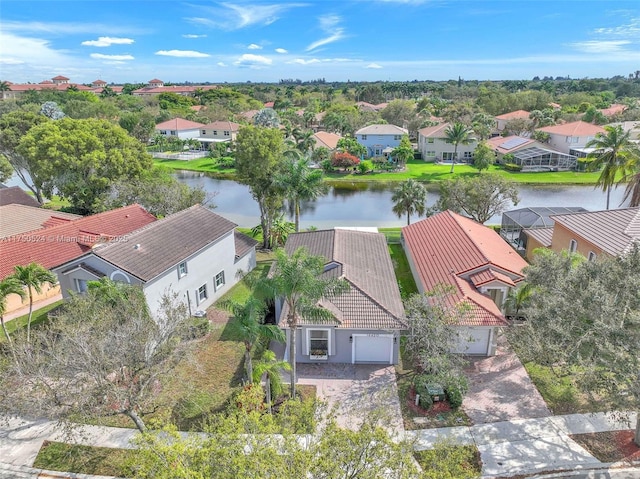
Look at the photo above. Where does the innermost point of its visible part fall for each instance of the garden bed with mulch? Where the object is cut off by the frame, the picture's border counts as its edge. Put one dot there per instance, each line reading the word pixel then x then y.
pixel 610 446
pixel 440 414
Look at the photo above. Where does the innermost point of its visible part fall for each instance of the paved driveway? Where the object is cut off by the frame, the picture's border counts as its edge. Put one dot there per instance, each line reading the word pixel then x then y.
pixel 500 389
pixel 356 392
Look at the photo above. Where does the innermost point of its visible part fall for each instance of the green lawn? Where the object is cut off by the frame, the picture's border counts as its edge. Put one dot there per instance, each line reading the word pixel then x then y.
pixel 403 272
pixel 392 234
pixel 206 165
pixel 39 317
pixel 240 291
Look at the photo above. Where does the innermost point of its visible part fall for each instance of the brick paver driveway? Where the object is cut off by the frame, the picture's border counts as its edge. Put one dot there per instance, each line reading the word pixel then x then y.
pixel 500 389
pixel 356 391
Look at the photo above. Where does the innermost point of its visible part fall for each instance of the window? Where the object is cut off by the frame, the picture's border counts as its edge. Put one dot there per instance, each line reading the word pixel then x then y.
pixel 173 132
pixel 204 132
pixel 81 285
pixel 182 269
pixel 468 155
pixel 364 137
pixel 215 132
pixel 592 256
pixel 430 140
pixel 318 343
pixel 430 154
pixel 202 293
pixel 573 246
pixel 397 137
pixel 219 280
pixel 226 133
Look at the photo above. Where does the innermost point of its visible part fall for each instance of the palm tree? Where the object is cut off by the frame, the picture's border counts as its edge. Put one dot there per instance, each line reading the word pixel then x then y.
pixel 300 183
pixel 518 298
pixel 271 366
pixel 632 191
pixel 248 326
pixel 280 229
pixel 409 198
pixel 8 286
pixel 458 134
pixel 33 277
pixel 612 151
pixel 297 281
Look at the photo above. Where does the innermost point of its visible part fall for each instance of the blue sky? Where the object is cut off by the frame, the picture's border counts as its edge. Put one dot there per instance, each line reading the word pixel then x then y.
pixel 137 40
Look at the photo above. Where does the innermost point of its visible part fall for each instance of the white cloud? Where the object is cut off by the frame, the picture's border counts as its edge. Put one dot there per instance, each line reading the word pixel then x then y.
pixel 107 42
pixel 182 53
pixel 114 62
pixel 281 50
pixel 62 28
pixel 329 24
pixel 253 46
pixel 11 61
pixel 302 61
pixel 233 17
pixel 373 65
pixel 192 35
pixel 100 56
pixel 221 64
pixel 629 30
pixel 600 46
pixel 252 61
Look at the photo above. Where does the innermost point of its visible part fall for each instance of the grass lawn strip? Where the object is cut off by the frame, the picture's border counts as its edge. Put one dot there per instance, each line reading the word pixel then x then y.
pixel 403 272
pixel 610 446
pixel 40 317
pixel 451 460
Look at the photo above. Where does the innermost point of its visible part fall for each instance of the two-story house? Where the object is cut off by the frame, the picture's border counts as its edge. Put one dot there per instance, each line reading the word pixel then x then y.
pixel 195 253
pixel 571 136
pixel 380 140
pixel 433 145
pixel 180 128
pixel 219 131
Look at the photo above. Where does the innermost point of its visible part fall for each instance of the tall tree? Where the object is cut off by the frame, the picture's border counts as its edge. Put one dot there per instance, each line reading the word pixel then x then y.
pixel 632 178
pixel 259 156
pixel 409 198
pixel 79 159
pixel 404 151
pixel 612 150
pixel 478 197
pixel 300 183
pixel 8 286
pixel 583 320
pixel 6 170
pixel 457 134
pixel 297 281
pixel 33 277
pixel 248 326
pixel 483 157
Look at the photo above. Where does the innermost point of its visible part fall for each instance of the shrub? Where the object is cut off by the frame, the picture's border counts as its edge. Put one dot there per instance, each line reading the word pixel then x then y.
pixel 341 159
pixel 455 387
pixel 226 162
pixel 326 166
pixel 512 167
pixel 425 401
pixel 198 327
pixel 365 166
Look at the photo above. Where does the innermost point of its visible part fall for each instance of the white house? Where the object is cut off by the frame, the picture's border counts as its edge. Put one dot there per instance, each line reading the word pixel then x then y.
pixel 380 139
pixel 571 136
pixel 194 253
pixel 180 128
pixel 432 143
pixel 219 131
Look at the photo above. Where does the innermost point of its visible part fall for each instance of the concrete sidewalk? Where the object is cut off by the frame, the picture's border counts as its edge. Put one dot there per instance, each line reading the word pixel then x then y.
pixel 527 445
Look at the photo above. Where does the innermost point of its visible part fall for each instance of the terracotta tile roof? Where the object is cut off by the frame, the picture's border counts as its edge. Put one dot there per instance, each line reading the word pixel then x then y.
pixel 60 77
pixel 449 249
pixel 326 139
pixel 556 106
pixel 489 275
pixel 361 258
pixel 99 82
pixel 249 114
pixel 614 109
pixel 47 85
pixel 179 89
pixel 222 125
pixel 159 246
pixel 613 231
pixel 576 128
pixel 179 124
pixel 541 235
pixel 56 245
pixel 381 130
pixel 269 104
pixel 16 219
pixel 437 131
pixel 16 195
pixel 513 115
pixel 155 80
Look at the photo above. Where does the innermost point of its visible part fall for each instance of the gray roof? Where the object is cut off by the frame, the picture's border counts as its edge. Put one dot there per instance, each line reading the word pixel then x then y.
pixel 362 259
pixel 541 235
pixel 153 249
pixel 613 231
pixel 385 129
pixel 16 219
pixel 16 195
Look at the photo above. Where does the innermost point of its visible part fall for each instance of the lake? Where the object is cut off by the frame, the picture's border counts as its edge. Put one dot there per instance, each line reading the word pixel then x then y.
pixel 369 204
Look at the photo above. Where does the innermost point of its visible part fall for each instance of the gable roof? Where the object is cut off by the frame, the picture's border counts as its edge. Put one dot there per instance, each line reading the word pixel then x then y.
pixel 59 244
pixel 436 131
pixel 381 130
pixel 326 139
pixel 222 125
pixel 511 143
pixel 449 249
pixel 179 124
pixel 575 128
pixel 157 247
pixel 362 259
pixel 543 236
pixel 513 115
pixel 16 219
pixel 613 109
pixel 613 231
pixel 14 195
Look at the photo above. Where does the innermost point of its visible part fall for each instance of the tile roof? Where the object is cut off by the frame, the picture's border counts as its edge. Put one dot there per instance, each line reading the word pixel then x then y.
pixel 159 246
pixel 362 259
pixel 326 139
pixel 436 131
pixel 614 109
pixel 222 125
pixel 512 115
pixel 16 219
pixel 60 77
pixel 16 195
pixel 179 124
pixel 541 235
pixel 56 245
pixel 449 249
pixel 498 143
pixel 575 128
pixel 613 231
pixel 244 244
pixel 386 129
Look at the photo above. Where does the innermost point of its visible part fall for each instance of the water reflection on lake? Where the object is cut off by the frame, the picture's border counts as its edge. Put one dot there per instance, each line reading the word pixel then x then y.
pixel 369 204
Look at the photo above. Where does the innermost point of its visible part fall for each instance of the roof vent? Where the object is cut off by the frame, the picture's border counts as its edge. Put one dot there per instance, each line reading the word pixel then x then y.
pixel 137 246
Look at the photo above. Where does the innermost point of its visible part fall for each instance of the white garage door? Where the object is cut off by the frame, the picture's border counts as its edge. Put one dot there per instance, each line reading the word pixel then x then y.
pixel 372 349
pixel 474 341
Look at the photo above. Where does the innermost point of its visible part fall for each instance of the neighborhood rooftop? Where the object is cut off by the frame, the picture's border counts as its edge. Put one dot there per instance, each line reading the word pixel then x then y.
pixel 386 129
pixel 17 218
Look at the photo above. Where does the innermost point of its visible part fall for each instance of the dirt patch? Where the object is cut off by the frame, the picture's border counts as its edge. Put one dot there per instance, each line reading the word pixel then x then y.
pixel 610 446
pixel 218 316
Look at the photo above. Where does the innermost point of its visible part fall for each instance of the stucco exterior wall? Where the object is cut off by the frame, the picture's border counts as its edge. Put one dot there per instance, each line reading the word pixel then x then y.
pixel 565 143
pixel 378 142
pixel 532 244
pixel 562 237
pixel 434 151
pixel 182 134
pixel 14 302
